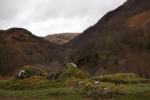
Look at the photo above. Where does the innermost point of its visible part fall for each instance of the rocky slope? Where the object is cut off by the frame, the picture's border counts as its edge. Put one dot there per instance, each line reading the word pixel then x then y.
pixel 119 42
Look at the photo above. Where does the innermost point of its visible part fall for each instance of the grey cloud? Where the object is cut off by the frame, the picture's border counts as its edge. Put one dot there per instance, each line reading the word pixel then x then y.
pixel 7 10
pixel 53 15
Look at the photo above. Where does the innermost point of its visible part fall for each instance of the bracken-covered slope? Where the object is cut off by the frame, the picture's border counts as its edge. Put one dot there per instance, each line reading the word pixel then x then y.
pixel 19 47
pixel 119 42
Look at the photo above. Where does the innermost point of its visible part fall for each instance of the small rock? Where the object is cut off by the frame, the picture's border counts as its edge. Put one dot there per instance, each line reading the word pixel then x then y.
pixel 96 82
pixel 21 74
pixel 106 91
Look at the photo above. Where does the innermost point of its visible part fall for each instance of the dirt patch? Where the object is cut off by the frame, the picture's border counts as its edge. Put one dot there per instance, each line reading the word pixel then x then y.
pixel 139 19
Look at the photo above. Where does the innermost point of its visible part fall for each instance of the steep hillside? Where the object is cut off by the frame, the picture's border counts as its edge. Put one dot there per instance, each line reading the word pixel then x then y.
pixel 61 38
pixel 119 42
pixel 20 47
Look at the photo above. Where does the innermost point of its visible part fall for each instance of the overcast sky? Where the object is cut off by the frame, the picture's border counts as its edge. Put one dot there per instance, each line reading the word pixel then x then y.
pixel 43 17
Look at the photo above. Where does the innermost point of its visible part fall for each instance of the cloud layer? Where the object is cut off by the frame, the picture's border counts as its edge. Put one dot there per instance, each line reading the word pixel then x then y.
pixel 44 17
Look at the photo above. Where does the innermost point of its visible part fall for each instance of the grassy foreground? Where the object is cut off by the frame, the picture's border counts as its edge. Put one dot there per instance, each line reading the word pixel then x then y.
pixel 132 92
pixel 38 88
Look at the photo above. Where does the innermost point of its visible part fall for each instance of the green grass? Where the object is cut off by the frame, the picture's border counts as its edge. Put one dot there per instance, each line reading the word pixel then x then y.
pixel 135 92
pixel 34 82
pixel 37 88
pixel 131 92
pixel 43 94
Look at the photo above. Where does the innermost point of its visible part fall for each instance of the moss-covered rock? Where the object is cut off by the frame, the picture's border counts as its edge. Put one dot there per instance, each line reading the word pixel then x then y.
pixel 28 71
pixel 72 70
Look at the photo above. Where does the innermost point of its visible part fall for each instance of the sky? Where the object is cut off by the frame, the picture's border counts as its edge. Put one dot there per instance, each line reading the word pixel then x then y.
pixel 43 17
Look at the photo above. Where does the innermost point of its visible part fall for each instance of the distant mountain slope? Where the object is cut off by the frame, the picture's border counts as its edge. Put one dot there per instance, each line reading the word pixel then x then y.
pixel 61 38
pixel 119 42
pixel 20 47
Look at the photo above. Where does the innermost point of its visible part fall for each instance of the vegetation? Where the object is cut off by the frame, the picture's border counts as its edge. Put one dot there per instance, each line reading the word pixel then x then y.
pixel 121 78
pixel 31 71
pixel 57 90
pixel 73 71
pixel 110 87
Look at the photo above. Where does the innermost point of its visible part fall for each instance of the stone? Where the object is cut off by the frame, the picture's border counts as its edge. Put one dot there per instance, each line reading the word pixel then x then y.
pixel 106 91
pixel 21 74
pixel 96 82
pixel 72 65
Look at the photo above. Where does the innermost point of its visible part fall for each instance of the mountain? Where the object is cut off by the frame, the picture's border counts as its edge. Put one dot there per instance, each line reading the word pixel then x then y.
pixel 119 42
pixel 19 47
pixel 61 38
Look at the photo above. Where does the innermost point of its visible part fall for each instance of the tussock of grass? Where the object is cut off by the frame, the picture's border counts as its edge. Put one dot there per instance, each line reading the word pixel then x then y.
pixel 34 82
pixel 32 71
pixel 121 78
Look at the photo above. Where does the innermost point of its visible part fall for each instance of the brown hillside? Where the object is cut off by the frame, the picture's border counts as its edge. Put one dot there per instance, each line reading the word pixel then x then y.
pixel 119 42
pixel 19 47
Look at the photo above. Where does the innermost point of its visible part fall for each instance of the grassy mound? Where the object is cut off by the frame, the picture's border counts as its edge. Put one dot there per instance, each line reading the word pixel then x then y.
pixel 29 71
pixel 121 78
pixel 33 82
